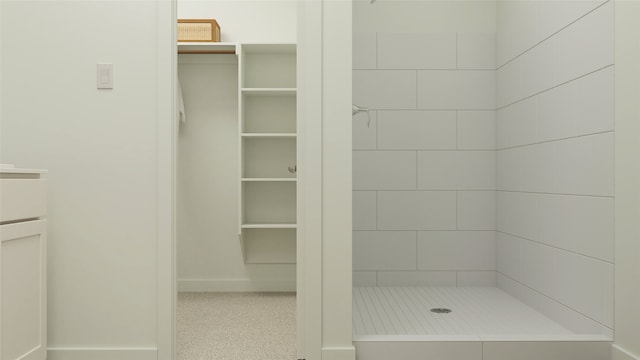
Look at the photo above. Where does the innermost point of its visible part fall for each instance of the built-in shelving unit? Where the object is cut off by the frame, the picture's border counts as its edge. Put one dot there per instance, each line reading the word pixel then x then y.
pixel 267 131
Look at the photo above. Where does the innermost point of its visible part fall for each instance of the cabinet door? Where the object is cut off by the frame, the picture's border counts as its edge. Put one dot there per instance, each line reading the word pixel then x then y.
pixel 23 299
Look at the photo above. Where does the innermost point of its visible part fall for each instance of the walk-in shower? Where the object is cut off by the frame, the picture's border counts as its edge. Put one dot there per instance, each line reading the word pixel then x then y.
pixel 483 186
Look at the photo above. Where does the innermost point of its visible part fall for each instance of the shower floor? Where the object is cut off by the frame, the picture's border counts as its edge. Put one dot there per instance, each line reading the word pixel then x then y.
pixel 477 314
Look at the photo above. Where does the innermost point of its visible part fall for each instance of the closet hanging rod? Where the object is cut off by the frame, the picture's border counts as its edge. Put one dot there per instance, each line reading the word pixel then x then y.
pixel 215 52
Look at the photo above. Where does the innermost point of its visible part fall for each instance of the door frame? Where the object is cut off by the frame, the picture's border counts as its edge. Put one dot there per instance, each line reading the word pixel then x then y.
pixel 166 137
pixel 324 195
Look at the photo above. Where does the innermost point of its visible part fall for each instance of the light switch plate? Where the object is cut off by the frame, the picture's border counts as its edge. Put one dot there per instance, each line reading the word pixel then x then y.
pixel 105 76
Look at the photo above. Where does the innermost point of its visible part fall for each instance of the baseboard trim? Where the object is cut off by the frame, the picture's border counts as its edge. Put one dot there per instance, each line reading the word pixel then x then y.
pixel 102 353
pixel 339 353
pixel 619 353
pixel 233 285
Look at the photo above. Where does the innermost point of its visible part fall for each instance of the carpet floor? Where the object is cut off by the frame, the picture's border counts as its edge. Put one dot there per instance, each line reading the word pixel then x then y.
pixel 236 326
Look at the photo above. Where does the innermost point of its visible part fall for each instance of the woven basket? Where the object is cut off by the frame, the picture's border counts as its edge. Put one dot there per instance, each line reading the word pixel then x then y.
pixel 198 30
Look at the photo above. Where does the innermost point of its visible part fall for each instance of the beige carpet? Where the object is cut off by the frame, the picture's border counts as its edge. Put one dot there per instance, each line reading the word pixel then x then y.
pixel 236 326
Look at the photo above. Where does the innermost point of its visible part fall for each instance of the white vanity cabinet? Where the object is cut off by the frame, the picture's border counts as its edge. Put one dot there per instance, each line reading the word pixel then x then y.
pixel 23 266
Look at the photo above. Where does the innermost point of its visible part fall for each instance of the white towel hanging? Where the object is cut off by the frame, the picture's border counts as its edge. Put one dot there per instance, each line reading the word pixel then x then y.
pixel 182 115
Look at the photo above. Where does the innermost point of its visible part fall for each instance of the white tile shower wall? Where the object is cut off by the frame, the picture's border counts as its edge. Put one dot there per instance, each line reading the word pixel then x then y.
pixel 424 163
pixel 417 51
pixel 416 130
pixel 416 210
pixel 476 130
pixel 384 250
pixel 559 113
pixel 578 49
pixel 555 163
pixel 456 170
pixel 476 210
pixel 456 250
pixel 456 89
pixel 523 24
pixel 384 170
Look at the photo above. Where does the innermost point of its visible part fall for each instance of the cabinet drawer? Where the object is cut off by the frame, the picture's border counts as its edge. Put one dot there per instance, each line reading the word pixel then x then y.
pixel 22 199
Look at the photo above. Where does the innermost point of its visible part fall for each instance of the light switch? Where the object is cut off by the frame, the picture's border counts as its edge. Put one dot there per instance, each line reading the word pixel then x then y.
pixel 105 76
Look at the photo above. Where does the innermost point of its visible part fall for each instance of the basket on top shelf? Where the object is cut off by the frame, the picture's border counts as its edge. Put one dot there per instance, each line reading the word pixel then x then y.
pixel 198 30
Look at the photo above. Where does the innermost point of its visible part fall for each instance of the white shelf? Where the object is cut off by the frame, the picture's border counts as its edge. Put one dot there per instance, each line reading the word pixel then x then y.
pixel 269 135
pixel 269 226
pixel 271 48
pixel 269 91
pixel 269 179
pixel 207 48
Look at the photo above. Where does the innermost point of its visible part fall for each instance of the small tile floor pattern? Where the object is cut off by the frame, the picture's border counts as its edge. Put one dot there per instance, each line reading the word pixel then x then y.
pixel 236 326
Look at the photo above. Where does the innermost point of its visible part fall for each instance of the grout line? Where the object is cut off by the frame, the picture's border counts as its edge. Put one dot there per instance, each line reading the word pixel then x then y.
pixel 428 150
pixel 458 53
pixel 416 237
pixel 457 211
pixel 375 125
pixel 555 86
pixel 417 89
pixel 417 172
pixel 457 130
pixel 428 110
pixel 552 299
pixel 423 69
pixel 424 150
pixel 552 35
pixel 423 230
pixel 556 247
pixel 450 190
pixel 556 140
pixel 550 193
pixel 377 47
pixel 427 271
pixel 377 210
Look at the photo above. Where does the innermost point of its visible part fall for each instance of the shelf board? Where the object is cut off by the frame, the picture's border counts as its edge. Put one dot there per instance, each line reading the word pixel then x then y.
pixel 269 135
pixel 281 48
pixel 269 179
pixel 269 226
pixel 206 48
pixel 269 91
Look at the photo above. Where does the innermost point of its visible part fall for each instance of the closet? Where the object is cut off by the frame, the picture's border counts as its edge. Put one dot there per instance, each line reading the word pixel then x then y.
pixel 265 137
pixel 236 199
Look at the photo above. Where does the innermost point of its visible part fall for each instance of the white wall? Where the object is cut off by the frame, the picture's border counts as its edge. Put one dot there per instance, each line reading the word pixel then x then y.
pixel 627 320
pixel 100 149
pixel 555 159
pixel 247 21
pixel 424 172
pixel 209 254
